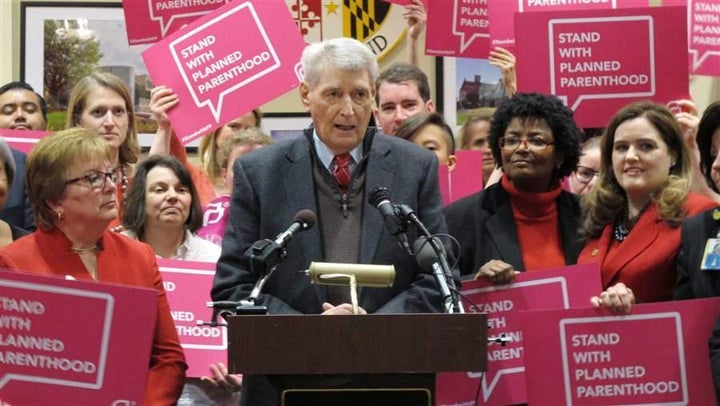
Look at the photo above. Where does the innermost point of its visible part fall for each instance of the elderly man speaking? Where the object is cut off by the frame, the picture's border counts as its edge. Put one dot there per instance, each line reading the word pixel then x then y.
pixel 330 170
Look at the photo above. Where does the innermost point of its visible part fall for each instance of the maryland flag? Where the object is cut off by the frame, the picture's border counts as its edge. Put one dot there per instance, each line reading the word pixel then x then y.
pixel 362 18
pixel 377 23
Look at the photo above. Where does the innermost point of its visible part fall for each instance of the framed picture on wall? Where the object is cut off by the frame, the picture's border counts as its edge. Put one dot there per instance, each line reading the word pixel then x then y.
pixel 469 85
pixel 63 42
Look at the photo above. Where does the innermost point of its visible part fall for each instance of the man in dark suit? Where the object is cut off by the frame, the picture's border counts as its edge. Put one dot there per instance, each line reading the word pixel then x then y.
pixel 273 183
pixel 694 280
pixel 21 109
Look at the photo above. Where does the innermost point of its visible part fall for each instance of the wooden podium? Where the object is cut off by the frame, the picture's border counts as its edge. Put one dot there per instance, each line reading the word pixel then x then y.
pixel 370 359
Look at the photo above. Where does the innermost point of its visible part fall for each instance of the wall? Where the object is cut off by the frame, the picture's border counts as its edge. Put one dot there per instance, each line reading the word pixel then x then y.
pixel 703 89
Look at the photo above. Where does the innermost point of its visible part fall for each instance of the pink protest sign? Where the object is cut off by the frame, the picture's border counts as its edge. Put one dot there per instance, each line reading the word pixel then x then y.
pixel 656 355
pixel 188 285
pixel 464 179
pixel 704 38
pixel 502 30
pixel 22 140
pixel 504 381
pixel 81 342
pixel 148 21
pixel 227 63
pixel 215 218
pixel 469 33
pixel 398 2
pixel 592 65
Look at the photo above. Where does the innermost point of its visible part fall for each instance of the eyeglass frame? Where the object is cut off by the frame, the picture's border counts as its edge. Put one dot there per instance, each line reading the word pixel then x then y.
pixel 577 176
pixel 113 175
pixel 524 141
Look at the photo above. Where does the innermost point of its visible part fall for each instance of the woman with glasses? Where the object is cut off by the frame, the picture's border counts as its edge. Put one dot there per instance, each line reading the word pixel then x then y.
pixel 72 182
pixel 526 221
pixel 583 178
pixel 631 219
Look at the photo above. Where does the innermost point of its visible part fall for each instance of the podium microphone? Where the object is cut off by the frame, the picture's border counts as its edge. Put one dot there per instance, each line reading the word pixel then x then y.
pixel 305 219
pixel 265 254
pixel 394 222
pixel 429 254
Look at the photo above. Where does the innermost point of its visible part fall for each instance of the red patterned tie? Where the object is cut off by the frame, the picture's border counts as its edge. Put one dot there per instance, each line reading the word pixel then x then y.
pixel 342 170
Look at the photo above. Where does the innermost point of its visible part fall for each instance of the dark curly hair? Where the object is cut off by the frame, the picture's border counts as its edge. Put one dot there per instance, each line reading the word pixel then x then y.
pixel 134 216
pixel 548 108
pixel 709 123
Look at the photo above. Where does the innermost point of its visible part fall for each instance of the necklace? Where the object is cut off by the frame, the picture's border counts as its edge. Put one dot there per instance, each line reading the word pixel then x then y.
pixel 621 229
pixel 123 182
pixel 623 225
pixel 81 251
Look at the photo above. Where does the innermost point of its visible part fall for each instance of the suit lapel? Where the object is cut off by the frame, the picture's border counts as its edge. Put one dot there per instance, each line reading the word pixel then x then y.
pixel 635 244
pixel 379 173
pixel 569 218
pixel 297 168
pixel 501 229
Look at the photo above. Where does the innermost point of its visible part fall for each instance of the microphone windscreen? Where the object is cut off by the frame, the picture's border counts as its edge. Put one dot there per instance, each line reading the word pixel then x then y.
pixel 425 254
pixel 378 195
pixel 307 217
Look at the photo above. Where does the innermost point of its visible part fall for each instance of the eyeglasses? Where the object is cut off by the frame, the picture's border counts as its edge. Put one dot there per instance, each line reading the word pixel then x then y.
pixel 97 179
pixel 585 174
pixel 532 143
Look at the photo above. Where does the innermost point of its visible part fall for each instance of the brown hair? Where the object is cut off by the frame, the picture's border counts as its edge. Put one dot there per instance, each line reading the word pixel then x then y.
pixel 130 148
pixel 607 200
pixel 135 215
pixel 48 164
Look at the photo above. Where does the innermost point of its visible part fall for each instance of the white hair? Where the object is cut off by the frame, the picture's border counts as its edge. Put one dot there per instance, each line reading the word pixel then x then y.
pixel 343 53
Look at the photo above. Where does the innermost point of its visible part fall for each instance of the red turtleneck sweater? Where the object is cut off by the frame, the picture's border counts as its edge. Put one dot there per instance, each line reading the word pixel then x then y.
pixel 536 220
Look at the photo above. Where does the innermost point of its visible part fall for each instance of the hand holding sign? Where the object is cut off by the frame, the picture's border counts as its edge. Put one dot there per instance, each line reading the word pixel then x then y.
pixel 226 64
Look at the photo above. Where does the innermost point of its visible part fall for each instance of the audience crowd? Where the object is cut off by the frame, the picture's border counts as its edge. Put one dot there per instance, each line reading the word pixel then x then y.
pixel 640 197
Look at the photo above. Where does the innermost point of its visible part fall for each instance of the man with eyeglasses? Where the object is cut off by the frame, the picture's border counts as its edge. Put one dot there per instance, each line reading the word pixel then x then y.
pixel 584 177
pixel 526 221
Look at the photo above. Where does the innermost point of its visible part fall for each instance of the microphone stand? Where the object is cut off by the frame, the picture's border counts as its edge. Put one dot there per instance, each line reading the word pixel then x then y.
pixel 264 256
pixel 441 269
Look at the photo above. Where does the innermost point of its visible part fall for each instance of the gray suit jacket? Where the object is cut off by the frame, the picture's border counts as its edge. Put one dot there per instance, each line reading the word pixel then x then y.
pixel 273 183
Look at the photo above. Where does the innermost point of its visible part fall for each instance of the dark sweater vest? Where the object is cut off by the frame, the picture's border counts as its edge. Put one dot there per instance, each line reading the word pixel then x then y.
pixel 340 220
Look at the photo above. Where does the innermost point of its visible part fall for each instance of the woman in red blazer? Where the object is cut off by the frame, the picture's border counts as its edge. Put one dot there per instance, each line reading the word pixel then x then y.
pixel 72 186
pixel 631 218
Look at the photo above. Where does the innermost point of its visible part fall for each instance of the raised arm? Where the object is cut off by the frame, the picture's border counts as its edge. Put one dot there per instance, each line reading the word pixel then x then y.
pixel 505 60
pixel 162 99
pixel 416 17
